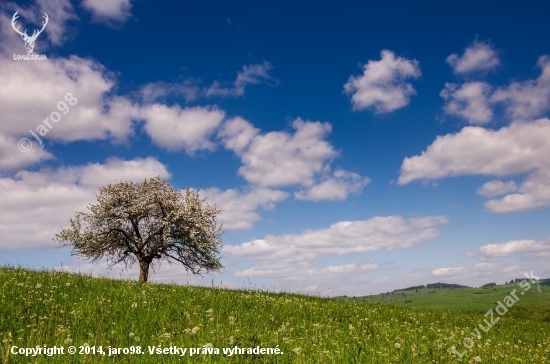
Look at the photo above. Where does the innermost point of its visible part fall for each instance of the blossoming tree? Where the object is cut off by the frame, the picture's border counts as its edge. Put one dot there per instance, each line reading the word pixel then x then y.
pixel 147 223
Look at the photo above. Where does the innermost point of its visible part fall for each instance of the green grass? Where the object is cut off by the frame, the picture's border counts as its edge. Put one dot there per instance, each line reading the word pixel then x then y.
pixel 533 305
pixel 52 308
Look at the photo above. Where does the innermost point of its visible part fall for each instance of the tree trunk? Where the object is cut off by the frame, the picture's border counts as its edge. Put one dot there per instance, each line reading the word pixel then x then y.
pixel 143 271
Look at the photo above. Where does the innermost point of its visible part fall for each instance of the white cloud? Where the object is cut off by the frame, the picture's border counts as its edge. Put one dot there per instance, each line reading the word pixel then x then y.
pixel 534 193
pixel 469 101
pixel 481 269
pixel 240 205
pixel 237 134
pixel 188 89
pixel 495 188
pixel 94 116
pixel 344 237
pixel 174 128
pixel 108 10
pixel 383 86
pixel 252 74
pixel 515 149
pixel 480 56
pixel 291 257
pixel 297 275
pixel 520 148
pixel 12 158
pixel 34 205
pixel 336 187
pixel 527 99
pixel 60 12
pixel 279 159
pixel 527 249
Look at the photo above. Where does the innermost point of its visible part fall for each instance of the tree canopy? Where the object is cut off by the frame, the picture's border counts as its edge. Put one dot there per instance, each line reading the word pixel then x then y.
pixel 147 223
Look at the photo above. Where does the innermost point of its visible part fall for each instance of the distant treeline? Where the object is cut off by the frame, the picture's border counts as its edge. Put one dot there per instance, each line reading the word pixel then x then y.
pixel 445 285
pixel 409 288
pixel 542 282
pixel 487 285
pixel 434 285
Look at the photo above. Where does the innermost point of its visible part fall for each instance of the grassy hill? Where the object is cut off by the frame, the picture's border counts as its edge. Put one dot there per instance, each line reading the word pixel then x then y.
pixel 532 305
pixel 51 308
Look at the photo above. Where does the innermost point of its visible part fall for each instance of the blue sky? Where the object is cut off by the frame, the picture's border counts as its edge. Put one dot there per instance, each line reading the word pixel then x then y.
pixel 355 147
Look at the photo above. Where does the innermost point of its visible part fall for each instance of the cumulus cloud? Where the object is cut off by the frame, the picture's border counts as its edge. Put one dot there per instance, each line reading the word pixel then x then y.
pixel 495 188
pixel 336 187
pixel 240 206
pixel 281 159
pixel 34 205
pixel 383 86
pixel 534 193
pixel 252 74
pixel 520 148
pixel 93 117
pixel 277 159
pixel 469 101
pixel 526 249
pixel 12 158
pixel 174 128
pixel 108 11
pixel 237 134
pixel 480 56
pixel 527 99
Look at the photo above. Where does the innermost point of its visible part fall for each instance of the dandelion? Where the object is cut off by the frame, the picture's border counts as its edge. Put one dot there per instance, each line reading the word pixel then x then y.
pixel 68 341
pixel 298 351
pixel 195 329
pixel 208 346
pixel 137 338
pixel 478 359
pixel 211 319
pixel 85 344
pixel 68 284
pixel 210 310
pixel 134 305
pixel 131 334
pixel 231 340
pixel 38 285
pixel 397 345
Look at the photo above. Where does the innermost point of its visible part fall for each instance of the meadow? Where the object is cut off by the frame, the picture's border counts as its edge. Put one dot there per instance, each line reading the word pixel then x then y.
pixel 41 308
pixel 533 305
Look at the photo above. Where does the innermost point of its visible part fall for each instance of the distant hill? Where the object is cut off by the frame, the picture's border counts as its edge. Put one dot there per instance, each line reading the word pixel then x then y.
pixel 534 305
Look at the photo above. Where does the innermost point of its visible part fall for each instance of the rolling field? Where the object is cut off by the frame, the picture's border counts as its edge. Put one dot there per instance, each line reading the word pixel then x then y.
pixel 533 304
pixel 58 309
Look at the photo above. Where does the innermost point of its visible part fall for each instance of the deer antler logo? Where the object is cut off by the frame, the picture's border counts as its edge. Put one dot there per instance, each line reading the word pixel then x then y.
pixel 29 41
